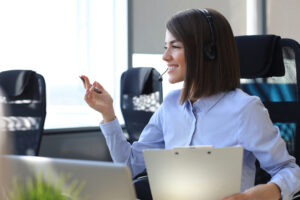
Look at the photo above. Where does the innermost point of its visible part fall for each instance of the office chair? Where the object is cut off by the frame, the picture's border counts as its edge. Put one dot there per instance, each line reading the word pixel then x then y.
pixel 270 67
pixel 24 100
pixel 141 95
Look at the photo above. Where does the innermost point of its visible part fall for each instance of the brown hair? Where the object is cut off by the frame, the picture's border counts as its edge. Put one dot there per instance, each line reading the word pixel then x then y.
pixel 206 77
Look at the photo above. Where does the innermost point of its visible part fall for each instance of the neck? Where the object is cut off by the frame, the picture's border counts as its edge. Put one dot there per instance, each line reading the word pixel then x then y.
pixel 192 100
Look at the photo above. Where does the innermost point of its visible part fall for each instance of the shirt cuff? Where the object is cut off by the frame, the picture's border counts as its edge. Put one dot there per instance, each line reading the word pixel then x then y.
pixel 284 190
pixel 110 128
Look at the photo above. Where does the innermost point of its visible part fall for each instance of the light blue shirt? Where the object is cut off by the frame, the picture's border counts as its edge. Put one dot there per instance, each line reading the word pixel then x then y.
pixel 226 119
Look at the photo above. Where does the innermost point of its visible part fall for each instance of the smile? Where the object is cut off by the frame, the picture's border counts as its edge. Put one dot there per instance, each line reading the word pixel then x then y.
pixel 172 67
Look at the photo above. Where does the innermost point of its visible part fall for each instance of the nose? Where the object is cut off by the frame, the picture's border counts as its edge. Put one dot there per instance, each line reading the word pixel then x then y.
pixel 166 56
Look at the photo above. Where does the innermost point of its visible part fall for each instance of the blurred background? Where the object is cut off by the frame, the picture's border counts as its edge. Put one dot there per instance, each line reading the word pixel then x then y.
pixel 62 39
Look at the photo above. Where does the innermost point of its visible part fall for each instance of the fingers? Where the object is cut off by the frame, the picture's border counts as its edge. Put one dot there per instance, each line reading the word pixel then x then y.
pixel 98 87
pixel 86 81
pixel 93 99
pixel 100 101
pixel 93 91
pixel 89 97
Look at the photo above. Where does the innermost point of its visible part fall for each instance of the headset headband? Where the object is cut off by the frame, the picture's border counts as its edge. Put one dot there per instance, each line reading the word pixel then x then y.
pixel 209 49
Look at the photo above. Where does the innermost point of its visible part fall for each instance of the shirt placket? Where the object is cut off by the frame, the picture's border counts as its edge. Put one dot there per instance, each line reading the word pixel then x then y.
pixel 194 128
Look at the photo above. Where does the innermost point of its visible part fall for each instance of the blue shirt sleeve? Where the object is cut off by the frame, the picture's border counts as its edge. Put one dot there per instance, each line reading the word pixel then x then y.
pixel 259 136
pixel 122 152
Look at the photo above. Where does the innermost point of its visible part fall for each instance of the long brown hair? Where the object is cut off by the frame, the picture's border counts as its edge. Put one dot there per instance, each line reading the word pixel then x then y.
pixel 206 77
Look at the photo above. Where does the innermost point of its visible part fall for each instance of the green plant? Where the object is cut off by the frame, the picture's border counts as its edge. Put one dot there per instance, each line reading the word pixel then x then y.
pixel 38 189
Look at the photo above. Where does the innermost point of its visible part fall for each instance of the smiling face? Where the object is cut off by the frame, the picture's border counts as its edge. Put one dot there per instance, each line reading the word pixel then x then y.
pixel 175 58
pixel 187 33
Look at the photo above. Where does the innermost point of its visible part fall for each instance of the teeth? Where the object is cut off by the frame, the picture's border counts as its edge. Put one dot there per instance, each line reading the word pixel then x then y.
pixel 170 68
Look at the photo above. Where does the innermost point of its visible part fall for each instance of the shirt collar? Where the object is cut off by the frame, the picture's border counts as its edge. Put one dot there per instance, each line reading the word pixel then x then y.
pixel 205 103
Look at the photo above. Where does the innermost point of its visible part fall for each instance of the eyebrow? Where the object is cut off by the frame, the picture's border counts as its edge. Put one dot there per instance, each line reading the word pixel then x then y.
pixel 172 41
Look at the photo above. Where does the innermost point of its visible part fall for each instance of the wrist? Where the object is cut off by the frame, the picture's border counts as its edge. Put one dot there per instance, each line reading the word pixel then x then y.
pixel 275 189
pixel 108 117
pixel 264 191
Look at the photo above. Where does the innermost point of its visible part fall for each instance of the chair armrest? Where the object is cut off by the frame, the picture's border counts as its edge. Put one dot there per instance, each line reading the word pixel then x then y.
pixel 296 197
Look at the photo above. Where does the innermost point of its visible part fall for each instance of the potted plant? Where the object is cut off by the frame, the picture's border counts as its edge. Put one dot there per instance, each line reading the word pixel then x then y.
pixel 38 188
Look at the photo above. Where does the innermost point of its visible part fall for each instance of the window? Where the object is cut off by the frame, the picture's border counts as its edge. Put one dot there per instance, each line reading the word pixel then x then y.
pixel 62 40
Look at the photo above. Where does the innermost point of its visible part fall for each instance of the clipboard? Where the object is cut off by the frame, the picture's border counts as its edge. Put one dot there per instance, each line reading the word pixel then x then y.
pixel 189 173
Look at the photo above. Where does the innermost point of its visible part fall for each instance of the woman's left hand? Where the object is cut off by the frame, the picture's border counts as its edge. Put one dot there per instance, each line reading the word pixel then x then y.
pixel 268 191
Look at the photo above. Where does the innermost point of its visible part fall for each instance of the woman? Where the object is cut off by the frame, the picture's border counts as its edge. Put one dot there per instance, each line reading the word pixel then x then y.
pixel 200 50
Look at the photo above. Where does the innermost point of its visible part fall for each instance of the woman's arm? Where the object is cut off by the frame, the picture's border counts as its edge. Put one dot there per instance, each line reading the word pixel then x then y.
pixel 268 191
pixel 259 136
pixel 122 151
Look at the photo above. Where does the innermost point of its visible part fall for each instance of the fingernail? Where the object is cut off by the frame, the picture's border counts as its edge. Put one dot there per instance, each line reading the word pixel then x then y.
pixel 94 84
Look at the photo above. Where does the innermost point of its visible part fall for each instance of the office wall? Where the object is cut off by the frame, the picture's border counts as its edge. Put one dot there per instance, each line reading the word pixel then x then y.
pixel 283 18
pixel 147 19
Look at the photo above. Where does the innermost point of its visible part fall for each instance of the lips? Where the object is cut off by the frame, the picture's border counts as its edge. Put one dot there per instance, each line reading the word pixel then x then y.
pixel 172 67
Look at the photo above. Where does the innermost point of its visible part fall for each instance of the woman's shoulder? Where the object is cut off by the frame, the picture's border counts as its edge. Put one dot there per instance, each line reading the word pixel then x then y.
pixel 241 100
pixel 241 96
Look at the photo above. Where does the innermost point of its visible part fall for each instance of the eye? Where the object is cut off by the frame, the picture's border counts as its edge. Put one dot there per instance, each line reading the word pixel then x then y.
pixel 176 47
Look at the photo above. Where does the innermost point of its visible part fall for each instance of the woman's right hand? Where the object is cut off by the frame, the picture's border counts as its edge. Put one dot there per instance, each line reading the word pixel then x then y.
pixel 100 101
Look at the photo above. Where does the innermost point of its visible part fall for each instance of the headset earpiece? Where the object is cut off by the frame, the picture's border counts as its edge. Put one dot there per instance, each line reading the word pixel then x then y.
pixel 209 49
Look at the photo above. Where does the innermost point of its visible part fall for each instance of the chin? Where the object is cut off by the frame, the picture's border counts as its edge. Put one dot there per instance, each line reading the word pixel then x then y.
pixel 172 81
pixel 175 79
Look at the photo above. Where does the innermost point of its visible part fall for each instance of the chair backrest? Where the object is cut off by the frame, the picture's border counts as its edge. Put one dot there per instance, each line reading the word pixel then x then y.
pixel 141 95
pixel 24 100
pixel 270 67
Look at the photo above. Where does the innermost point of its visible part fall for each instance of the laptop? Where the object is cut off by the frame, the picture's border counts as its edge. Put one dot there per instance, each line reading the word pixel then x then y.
pixel 99 180
pixel 190 173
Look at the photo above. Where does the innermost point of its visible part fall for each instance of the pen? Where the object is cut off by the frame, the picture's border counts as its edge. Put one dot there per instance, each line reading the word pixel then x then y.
pixel 95 89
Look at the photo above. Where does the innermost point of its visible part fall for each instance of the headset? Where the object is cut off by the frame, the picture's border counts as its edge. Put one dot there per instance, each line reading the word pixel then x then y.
pixel 209 49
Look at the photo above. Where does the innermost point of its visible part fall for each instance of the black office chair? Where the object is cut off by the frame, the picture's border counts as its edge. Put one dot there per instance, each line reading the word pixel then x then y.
pixel 24 100
pixel 141 95
pixel 270 67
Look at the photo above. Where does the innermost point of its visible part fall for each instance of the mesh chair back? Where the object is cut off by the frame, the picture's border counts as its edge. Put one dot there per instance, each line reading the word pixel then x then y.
pixel 270 67
pixel 25 102
pixel 141 95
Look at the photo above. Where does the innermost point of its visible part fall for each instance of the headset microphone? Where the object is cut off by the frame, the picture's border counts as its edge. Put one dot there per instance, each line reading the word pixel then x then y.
pixel 160 77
